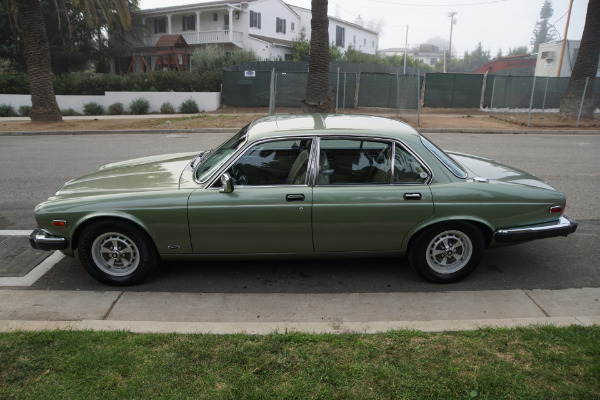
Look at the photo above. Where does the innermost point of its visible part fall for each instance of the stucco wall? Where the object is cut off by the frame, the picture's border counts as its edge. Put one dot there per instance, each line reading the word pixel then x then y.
pixel 207 101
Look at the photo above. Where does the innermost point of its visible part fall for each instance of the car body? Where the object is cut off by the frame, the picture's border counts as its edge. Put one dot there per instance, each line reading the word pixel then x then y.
pixel 300 186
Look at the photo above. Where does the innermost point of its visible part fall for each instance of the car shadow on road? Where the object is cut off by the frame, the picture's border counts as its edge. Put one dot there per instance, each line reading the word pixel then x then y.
pixel 555 263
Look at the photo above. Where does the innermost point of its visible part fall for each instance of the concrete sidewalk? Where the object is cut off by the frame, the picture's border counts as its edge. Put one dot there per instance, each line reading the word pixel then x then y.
pixel 265 313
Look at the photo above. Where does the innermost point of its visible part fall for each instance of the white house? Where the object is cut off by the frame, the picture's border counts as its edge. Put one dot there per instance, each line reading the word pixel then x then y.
pixel 268 27
pixel 548 58
pixel 343 34
pixel 428 53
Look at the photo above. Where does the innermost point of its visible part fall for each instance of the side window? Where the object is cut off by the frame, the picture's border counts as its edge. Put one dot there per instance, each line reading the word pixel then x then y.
pixel 280 162
pixel 407 169
pixel 354 162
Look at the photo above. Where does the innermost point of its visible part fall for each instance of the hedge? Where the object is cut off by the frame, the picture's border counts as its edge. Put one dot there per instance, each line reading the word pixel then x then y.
pixel 80 83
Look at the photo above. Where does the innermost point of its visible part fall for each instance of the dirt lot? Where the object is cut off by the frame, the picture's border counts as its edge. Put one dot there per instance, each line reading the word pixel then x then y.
pixel 237 117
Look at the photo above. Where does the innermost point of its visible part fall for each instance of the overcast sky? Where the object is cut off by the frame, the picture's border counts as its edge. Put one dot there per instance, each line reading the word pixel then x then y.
pixel 497 24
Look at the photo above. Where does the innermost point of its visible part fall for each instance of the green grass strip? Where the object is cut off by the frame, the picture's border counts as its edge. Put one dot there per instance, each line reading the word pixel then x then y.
pixel 530 363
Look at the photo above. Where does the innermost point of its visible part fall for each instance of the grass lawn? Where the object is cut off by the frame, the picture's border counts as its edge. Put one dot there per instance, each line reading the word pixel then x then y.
pixel 528 363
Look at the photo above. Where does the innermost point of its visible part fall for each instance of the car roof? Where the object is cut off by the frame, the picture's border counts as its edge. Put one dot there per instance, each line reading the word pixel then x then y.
pixel 328 125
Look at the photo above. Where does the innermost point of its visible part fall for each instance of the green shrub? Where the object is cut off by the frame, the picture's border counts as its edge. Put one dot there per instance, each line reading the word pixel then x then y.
pixel 14 83
pixel 189 107
pixel 116 109
pixel 167 108
pixel 93 108
pixel 69 112
pixel 6 110
pixel 25 111
pixel 139 106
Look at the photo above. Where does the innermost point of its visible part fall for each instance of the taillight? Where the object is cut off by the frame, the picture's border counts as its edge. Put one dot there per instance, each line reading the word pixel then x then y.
pixel 557 210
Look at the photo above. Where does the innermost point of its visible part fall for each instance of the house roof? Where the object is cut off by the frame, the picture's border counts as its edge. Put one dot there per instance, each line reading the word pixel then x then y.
pixel 210 4
pixel 171 41
pixel 280 42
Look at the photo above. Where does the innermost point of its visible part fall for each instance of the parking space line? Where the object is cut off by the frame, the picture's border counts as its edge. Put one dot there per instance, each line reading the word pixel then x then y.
pixel 15 232
pixel 35 273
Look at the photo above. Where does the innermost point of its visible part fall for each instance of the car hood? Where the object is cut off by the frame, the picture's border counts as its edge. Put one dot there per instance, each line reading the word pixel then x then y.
pixel 496 172
pixel 141 174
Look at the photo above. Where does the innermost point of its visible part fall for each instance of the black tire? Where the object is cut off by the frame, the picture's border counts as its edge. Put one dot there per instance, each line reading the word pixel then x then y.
pixel 117 253
pixel 447 252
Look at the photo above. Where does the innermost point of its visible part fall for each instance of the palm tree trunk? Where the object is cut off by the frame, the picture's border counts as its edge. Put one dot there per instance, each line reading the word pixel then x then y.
pixel 37 57
pixel 586 67
pixel 319 98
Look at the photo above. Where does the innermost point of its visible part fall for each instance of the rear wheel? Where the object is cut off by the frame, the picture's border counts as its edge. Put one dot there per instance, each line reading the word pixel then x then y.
pixel 447 252
pixel 117 253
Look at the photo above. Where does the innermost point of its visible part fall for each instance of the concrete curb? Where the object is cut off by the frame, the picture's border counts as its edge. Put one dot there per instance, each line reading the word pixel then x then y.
pixel 234 130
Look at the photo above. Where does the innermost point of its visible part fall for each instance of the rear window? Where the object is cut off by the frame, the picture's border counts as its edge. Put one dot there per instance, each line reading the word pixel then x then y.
pixel 452 165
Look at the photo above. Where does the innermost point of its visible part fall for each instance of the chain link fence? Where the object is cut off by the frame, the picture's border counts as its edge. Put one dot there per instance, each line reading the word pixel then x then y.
pixel 350 92
pixel 536 101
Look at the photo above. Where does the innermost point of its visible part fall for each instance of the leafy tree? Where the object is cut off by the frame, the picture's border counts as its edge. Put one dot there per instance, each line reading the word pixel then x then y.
pixel 213 57
pixel 36 46
pixel 541 33
pixel 301 47
pixel 586 66
pixel 470 62
pixel 517 51
pixel 318 97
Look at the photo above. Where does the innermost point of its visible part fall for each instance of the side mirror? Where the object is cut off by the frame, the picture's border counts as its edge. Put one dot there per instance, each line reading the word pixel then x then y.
pixel 226 183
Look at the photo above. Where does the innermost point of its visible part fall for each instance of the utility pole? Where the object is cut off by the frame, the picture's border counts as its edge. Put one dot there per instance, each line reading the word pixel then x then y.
pixel 564 42
pixel 452 22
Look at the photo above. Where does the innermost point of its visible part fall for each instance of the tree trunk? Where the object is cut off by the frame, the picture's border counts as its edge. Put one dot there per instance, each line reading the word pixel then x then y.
pixel 586 66
pixel 37 58
pixel 319 98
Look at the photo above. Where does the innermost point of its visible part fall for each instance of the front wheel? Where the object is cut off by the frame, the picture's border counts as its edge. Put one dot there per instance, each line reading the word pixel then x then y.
pixel 117 253
pixel 447 252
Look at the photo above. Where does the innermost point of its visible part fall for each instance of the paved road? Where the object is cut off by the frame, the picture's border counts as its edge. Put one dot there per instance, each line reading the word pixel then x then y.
pixel 32 168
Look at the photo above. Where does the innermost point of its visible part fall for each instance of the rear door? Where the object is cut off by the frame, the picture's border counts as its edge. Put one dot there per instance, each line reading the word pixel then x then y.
pixel 369 193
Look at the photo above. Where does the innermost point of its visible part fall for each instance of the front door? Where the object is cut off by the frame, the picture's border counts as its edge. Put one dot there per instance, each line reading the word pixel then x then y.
pixel 269 210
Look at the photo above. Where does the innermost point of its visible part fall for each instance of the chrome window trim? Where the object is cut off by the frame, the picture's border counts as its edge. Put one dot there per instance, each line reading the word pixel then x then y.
pixel 466 174
pixel 195 170
pixel 243 151
pixel 393 142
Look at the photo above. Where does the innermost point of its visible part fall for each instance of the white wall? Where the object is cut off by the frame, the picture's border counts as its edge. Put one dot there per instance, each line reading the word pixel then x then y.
pixel 207 101
pixel 271 10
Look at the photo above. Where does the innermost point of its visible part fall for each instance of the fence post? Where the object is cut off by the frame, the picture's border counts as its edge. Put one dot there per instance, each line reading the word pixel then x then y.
pixel 337 91
pixel 545 93
pixel 344 98
pixel 418 98
pixel 531 102
pixel 397 92
pixel 587 79
pixel 483 86
pixel 357 90
pixel 492 99
pixel 272 94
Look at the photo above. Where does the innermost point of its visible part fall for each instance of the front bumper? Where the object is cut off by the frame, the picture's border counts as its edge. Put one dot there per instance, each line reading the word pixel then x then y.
pixel 562 227
pixel 43 240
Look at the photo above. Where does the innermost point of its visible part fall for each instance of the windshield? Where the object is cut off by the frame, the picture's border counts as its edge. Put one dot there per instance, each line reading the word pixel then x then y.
pixel 216 158
pixel 452 165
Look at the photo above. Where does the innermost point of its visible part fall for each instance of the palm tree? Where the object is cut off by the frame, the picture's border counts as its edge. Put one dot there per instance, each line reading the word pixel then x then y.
pixel 318 98
pixel 30 19
pixel 586 67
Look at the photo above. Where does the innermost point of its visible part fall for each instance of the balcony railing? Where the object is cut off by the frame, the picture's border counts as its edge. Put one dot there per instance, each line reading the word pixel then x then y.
pixel 202 37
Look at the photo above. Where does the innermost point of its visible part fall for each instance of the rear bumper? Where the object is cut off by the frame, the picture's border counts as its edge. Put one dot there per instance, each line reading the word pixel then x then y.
pixel 562 227
pixel 42 240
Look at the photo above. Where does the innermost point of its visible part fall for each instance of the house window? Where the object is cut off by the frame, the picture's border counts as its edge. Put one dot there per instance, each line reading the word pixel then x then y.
pixel 226 21
pixel 254 20
pixel 280 25
pixel 188 23
pixel 160 25
pixel 215 17
pixel 340 33
pixel 292 26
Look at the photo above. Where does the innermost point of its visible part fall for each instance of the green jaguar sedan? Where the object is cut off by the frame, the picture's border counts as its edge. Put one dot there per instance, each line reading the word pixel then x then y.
pixel 298 186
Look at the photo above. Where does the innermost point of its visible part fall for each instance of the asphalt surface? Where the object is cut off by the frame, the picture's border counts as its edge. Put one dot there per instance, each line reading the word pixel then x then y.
pixel 34 167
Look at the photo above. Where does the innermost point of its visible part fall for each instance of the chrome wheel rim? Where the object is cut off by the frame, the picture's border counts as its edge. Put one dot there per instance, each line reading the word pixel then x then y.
pixel 449 252
pixel 115 254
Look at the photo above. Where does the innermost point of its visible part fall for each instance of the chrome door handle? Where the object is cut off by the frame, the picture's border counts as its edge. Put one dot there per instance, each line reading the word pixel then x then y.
pixel 412 196
pixel 294 197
